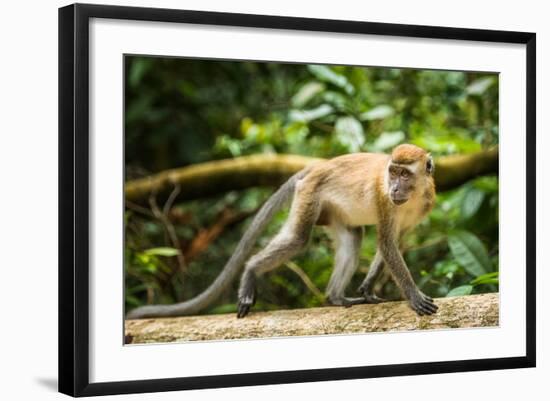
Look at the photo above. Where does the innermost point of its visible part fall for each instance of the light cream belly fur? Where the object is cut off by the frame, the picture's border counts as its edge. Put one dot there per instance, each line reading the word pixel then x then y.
pixel 353 210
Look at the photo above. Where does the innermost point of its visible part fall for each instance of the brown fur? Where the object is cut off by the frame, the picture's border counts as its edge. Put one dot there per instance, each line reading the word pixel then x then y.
pixel 407 154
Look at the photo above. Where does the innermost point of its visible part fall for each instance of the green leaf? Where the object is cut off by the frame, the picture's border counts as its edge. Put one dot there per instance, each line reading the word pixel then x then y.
pixel 469 252
pixel 224 142
pixel 446 268
pixel 161 251
pixel 138 69
pixel 489 278
pixel 479 86
pixel 471 202
pixel 296 133
pixel 459 291
pixel 306 93
pixel 388 140
pixel 349 132
pixel 487 183
pixel 377 113
pixel 309 115
pixel 336 99
pixel 324 73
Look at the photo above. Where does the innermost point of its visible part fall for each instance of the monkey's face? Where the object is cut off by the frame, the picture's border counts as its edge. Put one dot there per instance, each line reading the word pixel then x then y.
pixel 401 183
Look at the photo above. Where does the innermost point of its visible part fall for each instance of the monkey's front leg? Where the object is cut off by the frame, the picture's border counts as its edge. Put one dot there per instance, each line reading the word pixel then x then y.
pixel 418 301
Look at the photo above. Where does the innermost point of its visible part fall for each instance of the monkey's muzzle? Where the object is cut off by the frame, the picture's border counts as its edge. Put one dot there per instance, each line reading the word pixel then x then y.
pixel 397 195
pixel 398 201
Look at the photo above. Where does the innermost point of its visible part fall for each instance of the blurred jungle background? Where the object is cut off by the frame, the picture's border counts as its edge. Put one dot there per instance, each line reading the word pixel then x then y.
pixel 182 225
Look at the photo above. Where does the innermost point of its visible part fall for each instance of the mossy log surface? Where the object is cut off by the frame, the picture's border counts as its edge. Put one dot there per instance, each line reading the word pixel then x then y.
pixel 457 312
pixel 215 177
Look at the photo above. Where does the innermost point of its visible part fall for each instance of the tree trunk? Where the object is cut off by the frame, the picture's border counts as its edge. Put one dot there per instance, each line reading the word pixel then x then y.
pixel 466 311
pixel 215 177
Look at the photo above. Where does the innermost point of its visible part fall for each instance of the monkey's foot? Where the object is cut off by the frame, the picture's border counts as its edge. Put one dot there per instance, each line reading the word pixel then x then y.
pixel 422 304
pixel 370 297
pixel 373 299
pixel 347 302
pixel 243 308
pixel 247 295
pixel 245 303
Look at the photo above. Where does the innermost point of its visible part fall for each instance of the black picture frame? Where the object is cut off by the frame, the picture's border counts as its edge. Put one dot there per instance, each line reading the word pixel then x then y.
pixel 74 198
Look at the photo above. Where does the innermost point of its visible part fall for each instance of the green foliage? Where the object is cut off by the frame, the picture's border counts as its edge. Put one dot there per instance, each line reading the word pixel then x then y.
pixel 161 251
pixel 183 111
pixel 349 133
pixel 462 290
pixel 490 278
pixel 469 252
pixel 325 73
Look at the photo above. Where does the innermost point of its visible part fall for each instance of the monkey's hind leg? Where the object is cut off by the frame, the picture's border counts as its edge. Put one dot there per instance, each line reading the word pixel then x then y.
pixel 278 251
pixel 292 238
pixel 286 244
pixel 347 243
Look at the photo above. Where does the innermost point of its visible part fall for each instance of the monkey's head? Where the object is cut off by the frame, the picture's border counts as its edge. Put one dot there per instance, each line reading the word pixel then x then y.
pixel 410 168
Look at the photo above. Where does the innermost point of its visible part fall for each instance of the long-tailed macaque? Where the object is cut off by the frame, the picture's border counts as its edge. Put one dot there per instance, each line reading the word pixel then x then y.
pixel 393 192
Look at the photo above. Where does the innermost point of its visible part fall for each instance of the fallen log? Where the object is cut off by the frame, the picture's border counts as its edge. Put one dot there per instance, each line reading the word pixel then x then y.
pixel 456 312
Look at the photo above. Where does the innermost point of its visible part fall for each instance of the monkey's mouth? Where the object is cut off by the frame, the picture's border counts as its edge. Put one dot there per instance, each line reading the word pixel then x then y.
pixel 399 201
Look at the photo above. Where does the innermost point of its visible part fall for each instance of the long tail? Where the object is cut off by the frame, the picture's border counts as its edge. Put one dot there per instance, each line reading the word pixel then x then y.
pixel 234 264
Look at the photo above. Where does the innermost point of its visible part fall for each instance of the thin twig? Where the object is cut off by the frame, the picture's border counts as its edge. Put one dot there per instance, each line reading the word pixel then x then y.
pixel 171 199
pixel 171 230
pixel 137 208
pixel 309 284
pixel 162 216
pixel 437 241
pixel 323 127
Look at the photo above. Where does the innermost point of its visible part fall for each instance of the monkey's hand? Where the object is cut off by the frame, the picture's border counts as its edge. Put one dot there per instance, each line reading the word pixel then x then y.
pixel 422 304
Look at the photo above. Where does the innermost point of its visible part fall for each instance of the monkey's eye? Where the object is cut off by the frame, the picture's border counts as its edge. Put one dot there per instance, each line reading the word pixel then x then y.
pixel 405 174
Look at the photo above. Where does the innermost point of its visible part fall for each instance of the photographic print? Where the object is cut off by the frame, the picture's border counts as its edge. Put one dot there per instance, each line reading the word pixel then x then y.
pixel 269 199
pixel 246 188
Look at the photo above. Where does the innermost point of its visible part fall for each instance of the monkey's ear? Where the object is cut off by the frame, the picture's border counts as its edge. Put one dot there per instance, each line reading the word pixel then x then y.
pixel 430 167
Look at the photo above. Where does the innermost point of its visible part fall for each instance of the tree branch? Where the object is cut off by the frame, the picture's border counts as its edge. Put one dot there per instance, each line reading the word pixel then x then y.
pixel 467 311
pixel 453 171
pixel 211 178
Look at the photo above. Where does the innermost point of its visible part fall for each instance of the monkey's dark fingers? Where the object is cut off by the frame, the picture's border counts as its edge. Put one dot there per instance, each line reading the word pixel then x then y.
pixel 430 304
pixel 427 308
pixel 422 306
pixel 427 298
pixel 425 311
pixel 420 311
pixel 431 307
